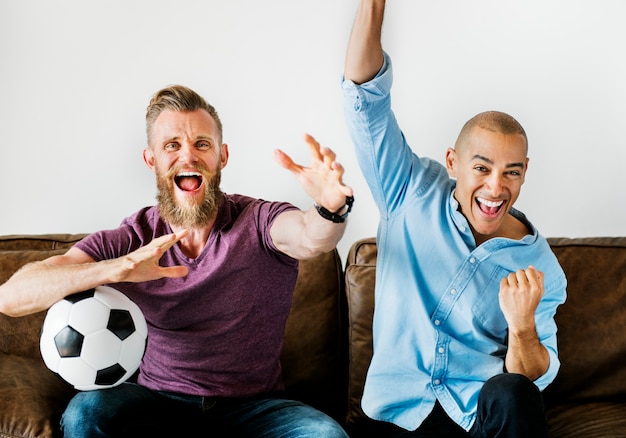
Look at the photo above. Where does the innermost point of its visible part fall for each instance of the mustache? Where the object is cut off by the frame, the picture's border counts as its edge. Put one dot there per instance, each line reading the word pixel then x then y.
pixel 200 168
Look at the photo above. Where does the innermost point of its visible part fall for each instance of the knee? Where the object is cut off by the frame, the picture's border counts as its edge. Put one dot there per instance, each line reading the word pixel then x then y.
pixel 87 402
pixel 333 430
pixel 510 389
pixel 82 408
pixel 510 405
pixel 327 429
pixel 315 424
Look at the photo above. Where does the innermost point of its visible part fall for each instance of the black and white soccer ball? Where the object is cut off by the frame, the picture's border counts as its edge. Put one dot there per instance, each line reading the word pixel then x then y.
pixel 94 339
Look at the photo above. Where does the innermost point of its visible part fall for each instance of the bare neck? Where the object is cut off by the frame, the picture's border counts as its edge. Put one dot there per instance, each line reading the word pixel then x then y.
pixel 512 228
pixel 195 241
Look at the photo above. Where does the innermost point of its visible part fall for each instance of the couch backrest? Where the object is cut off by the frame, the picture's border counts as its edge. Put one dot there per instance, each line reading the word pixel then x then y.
pixel 313 358
pixel 592 322
pixel 21 335
pixel 313 365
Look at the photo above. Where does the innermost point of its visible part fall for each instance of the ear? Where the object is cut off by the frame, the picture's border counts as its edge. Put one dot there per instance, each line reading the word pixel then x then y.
pixel 148 158
pixel 224 155
pixel 451 160
pixel 525 170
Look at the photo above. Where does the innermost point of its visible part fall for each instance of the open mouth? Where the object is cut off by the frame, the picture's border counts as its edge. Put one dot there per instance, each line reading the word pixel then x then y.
pixel 188 181
pixel 489 208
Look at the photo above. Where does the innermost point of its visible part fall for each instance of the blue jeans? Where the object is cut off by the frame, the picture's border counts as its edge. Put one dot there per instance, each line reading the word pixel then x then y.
pixel 131 410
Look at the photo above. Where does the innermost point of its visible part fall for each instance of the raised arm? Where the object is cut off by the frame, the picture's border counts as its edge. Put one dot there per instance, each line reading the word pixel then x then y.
pixel 364 56
pixel 305 234
pixel 39 285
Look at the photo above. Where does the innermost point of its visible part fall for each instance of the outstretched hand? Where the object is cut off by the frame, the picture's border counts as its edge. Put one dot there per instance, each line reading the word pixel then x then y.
pixel 143 263
pixel 323 179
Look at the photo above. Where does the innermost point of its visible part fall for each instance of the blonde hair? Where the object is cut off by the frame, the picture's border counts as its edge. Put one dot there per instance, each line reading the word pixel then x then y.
pixel 178 98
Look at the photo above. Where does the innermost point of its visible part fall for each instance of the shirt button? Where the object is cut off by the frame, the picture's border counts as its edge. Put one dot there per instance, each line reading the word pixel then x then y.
pixel 462 229
pixel 437 382
pixel 440 350
pixel 472 260
pixel 437 322
pixel 453 291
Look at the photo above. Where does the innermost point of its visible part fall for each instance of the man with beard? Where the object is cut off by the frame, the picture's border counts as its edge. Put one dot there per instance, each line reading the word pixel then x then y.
pixel 213 274
pixel 466 287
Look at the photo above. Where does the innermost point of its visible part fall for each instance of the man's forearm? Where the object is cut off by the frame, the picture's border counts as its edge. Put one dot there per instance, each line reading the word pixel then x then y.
pixel 322 234
pixel 305 234
pixel 364 55
pixel 526 355
pixel 38 285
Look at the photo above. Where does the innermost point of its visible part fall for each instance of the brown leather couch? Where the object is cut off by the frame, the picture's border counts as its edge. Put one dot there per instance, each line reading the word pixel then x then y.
pixel 328 341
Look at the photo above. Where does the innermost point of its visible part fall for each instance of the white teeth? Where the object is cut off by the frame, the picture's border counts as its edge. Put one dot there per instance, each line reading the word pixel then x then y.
pixel 182 174
pixel 490 203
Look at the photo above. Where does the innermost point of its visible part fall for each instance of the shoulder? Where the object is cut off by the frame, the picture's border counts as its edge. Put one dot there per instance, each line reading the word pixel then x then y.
pixel 133 232
pixel 544 259
pixel 236 205
pixel 516 228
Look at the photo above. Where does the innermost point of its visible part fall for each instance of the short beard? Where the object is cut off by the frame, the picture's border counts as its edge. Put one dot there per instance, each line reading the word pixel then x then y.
pixel 190 215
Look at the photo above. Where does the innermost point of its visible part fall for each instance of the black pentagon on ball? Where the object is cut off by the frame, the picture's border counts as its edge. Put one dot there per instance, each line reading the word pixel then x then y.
pixel 68 342
pixel 110 375
pixel 79 296
pixel 121 323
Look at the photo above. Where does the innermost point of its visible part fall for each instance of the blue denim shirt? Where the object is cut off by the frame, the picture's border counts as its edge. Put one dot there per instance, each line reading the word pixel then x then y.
pixel 438 330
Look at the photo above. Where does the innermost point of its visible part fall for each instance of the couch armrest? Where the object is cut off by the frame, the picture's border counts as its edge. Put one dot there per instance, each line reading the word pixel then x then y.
pixel 360 274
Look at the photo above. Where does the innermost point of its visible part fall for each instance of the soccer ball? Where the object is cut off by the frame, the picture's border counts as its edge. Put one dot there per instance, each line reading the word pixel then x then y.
pixel 94 339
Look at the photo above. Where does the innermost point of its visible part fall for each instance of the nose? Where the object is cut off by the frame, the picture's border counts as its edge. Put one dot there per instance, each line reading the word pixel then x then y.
pixel 495 184
pixel 187 154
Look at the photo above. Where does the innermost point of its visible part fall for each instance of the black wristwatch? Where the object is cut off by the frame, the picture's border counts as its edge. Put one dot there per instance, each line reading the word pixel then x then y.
pixel 340 215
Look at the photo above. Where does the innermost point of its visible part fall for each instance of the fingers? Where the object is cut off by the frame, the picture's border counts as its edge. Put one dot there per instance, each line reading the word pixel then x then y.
pixel 286 162
pixel 320 155
pixel 329 157
pixel 529 276
pixel 143 263
pixel 534 277
pixel 153 251
pixel 524 283
pixel 163 243
pixel 174 271
pixel 314 147
pixel 323 178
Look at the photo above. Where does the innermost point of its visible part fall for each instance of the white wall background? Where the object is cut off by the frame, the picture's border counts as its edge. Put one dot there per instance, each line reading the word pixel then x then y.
pixel 76 76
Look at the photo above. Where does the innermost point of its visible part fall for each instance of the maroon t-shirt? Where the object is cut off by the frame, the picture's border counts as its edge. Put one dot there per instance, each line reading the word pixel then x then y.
pixel 219 330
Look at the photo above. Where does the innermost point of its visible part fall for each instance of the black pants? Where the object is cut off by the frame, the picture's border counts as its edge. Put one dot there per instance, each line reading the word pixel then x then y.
pixel 509 406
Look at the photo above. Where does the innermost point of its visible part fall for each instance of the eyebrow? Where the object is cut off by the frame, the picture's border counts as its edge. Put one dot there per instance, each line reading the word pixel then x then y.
pixel 199 137
pixel 482 158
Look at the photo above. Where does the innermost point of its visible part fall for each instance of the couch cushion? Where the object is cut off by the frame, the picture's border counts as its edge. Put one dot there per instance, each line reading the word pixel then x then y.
pixel 32 398
pixel 596 419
